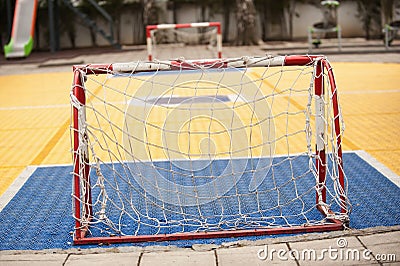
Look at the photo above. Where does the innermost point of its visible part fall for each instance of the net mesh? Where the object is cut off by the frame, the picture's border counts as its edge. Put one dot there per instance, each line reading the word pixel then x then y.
pixel 166 41
pixel 203 149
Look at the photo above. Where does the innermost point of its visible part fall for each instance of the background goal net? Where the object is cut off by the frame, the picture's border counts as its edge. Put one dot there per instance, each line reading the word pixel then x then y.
pixel 205 37
pixel 200 149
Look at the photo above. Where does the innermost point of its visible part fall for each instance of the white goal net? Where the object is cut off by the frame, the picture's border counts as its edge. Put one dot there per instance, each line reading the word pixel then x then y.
pixel 186 149
pixel 164 41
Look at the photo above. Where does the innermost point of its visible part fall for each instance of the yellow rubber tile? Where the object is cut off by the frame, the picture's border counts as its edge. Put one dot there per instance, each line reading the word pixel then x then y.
pixel 7 176
pixel 35 89
pixel 26 132
pixel 35 116
pixel 60 152
pixel 370 99
pixel 366 76
pixel 390 158
pixel 33 107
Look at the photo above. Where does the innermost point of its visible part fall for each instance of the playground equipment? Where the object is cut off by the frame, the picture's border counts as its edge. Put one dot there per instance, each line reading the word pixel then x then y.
pixel 23 29
pixel 390 30
pixel 329 24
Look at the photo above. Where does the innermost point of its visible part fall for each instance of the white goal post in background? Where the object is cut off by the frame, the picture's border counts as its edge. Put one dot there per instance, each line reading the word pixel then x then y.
pixel 184 149
pixel 150 29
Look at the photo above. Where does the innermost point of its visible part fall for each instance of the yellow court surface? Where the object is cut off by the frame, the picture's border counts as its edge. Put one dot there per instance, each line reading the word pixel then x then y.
pixel 35 117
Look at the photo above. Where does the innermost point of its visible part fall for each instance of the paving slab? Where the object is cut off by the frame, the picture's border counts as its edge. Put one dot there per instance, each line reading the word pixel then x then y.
pixel 178 257
pixel 386 253
pixel 384 238
pixel 354 50
pixel 253 255
pixel 33 259
pixel 103 259
pixel 334 251
pixel 385 247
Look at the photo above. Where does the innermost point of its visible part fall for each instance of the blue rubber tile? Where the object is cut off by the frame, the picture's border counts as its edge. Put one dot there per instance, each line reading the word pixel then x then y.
pixel 40 214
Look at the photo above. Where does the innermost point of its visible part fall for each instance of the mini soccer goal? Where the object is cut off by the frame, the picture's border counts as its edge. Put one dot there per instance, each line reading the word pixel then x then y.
pixel 218 148
pixel 169 37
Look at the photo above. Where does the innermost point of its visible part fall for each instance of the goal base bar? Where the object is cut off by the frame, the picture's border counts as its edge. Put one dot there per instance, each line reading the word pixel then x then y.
pixel 335 225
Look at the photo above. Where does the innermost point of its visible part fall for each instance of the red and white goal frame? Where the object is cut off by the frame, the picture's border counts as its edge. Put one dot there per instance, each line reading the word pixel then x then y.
pixel 83 203
pixel 150 28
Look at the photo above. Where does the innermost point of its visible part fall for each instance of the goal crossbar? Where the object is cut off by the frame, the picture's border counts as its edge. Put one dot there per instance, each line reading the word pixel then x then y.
pixel 83 203
pixel 151 28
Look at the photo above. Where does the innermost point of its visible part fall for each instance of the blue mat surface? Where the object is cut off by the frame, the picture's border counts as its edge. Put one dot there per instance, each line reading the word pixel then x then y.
pixel 40 214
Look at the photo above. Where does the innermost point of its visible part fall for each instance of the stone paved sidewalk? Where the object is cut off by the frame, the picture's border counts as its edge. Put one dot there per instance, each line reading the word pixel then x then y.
pixel 377 246
pixel 354 50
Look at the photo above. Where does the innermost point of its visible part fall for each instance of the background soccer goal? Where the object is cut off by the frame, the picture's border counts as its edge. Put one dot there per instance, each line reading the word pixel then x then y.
pixel 201 35
pixel 206 149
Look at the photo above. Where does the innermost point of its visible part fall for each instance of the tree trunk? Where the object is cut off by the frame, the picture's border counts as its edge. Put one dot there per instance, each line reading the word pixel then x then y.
pixel 150 15
pixel 93 37
pixel 370 14
pixel 246 20
pixel 387 7
pixel 227 12
pixel 292 12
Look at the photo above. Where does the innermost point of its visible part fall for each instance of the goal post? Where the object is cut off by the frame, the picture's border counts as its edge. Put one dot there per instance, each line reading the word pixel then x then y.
pixel 196 149
pixel 151 29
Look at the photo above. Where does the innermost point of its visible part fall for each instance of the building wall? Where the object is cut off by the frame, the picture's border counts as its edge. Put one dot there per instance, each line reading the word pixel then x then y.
pixel 132 28
pixel 350 23
pixel 347 19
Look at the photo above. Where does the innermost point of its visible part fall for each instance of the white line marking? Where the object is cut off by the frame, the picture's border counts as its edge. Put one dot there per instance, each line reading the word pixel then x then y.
pixel 389 174
pixel 55 165
pixel 29 107
pixel 54 106
pixel 370 91
pixel 16 186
